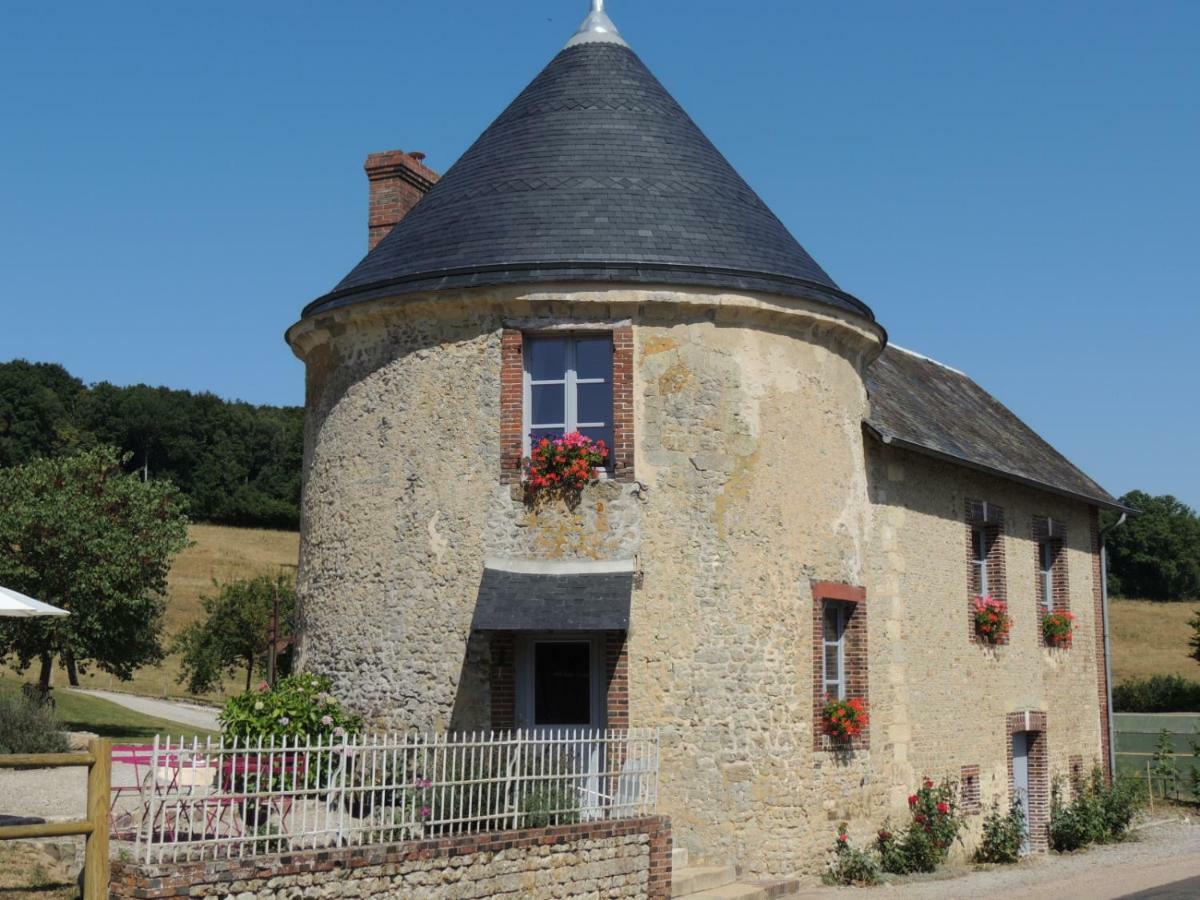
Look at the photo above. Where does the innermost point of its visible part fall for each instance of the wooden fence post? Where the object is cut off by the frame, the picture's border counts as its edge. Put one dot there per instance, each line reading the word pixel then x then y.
pixel 95 860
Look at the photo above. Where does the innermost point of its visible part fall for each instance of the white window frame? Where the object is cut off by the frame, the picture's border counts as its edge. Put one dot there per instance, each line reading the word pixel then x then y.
pixel 980 550
pixel 570 382
pixel 1047 553
pixel 834 687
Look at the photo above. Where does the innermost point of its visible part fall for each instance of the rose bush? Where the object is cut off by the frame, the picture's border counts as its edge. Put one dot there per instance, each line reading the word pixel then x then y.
pixel 924 843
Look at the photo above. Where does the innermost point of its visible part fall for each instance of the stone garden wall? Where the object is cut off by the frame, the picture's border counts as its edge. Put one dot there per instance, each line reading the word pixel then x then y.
pixel 627 858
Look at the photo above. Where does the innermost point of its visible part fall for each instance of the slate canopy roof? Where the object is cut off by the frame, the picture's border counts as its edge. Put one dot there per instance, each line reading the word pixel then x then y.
pixel 593 173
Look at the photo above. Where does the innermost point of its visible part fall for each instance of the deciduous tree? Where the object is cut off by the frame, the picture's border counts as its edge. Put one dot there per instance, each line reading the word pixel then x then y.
pixel 81 534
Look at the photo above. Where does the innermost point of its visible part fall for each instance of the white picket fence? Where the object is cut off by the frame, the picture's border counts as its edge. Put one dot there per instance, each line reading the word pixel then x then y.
pixel 233 799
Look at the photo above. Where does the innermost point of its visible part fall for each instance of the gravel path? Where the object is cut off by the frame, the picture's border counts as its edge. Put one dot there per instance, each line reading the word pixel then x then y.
pixel 1161 854
pixel 189 714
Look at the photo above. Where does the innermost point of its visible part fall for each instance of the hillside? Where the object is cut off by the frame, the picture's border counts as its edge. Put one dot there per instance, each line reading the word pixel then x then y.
pixel 1151 638
pixel 218 552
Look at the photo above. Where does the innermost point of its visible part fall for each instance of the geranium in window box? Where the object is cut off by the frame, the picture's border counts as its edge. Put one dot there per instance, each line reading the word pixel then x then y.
pixel 992 622
pixel 843 720
pixel 1057 628
pixel 568 463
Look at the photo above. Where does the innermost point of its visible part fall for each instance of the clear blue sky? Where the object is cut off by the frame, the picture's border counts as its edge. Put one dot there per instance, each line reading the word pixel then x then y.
pixel 1012 186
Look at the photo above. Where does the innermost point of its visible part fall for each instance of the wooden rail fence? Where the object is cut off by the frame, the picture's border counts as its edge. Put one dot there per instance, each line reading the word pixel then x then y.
pixel 98 759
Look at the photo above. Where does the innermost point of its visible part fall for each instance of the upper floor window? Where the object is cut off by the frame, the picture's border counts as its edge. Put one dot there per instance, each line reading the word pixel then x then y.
pixel 835 651
pixel 980 548
pixel 568 387
pixel 1047 557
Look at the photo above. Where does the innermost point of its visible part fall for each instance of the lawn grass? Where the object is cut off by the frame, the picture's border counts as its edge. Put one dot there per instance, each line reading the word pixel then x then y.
pixel 217 552
pixel 80 712
pixel 1150 638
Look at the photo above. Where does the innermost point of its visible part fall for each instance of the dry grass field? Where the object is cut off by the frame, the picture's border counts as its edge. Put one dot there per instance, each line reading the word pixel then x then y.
pixel 219 553
pixel 1151 638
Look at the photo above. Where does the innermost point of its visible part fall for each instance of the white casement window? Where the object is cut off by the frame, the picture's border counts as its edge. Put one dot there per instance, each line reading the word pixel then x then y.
pixel 835 651
pixel 569 387
pixel 1048 552
pixel 979 556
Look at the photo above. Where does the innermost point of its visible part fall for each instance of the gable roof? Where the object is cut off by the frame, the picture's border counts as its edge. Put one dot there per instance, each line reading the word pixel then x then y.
pixel 919 404
pixel 593 173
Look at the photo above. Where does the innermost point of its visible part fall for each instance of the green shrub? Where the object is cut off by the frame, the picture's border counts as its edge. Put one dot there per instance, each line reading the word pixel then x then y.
pixel 1161 693
pixel 850 865
pixel 925 842
pixel 29 726
pixel 1003 835
pixel 1099 813
pixel 549 804
pixel 298 706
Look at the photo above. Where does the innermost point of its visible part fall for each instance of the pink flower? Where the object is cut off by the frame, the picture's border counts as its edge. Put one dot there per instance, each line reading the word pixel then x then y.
pixel 425 811
pixel 326 721
pixel 285 721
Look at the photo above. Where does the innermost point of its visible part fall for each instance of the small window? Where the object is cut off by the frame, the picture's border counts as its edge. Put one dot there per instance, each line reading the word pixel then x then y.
pixel 835 651
pixel 1047 557
pixel 569 387
pixel 980 545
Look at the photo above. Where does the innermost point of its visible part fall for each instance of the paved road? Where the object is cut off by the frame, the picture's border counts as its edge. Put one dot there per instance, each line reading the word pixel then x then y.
pixel 173 710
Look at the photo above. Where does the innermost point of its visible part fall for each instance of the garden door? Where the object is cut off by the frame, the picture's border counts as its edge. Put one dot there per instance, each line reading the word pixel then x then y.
pixel 1020 768
pixel 561 698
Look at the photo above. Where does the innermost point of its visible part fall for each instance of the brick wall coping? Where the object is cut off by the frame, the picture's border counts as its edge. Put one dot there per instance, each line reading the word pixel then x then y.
pixel 174 879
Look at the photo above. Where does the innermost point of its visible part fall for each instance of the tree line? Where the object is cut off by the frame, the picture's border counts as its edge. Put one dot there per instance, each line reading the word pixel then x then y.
pixel 1155 554
pixel 235 463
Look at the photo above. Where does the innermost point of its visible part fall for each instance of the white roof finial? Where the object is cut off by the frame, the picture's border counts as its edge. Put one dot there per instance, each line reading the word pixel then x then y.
pixel 597 28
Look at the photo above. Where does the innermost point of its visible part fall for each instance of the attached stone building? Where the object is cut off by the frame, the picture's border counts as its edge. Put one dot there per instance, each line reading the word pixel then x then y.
pixel 792 506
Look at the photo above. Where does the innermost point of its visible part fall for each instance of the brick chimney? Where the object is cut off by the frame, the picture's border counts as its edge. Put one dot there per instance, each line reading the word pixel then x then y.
pixel 398 181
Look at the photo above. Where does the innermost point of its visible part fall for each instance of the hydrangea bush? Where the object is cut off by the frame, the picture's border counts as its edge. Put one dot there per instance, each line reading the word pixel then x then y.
pixel 298 706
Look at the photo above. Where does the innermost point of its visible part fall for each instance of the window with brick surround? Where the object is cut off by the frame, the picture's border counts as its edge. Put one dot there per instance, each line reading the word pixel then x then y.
pixel 557 382
pixel 839 653
pixel 1053 591
pixel 985 556
pixel 568 387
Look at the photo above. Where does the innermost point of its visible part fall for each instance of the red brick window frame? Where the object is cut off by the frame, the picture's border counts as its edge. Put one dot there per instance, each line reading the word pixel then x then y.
pixel 512 399
pixel 985 558
pixel 1053 589
pixel 851 599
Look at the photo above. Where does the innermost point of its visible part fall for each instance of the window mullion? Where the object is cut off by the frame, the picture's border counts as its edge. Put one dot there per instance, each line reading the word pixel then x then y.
pixel 571 409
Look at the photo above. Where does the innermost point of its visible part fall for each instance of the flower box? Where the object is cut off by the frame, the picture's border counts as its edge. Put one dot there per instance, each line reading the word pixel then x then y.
pixel 844 720
pixel 1057 629
pixel 992 621
pixel 566 464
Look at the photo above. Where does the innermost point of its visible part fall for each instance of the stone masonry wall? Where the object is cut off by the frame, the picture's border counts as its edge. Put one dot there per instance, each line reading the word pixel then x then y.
pixel 620 859
pixel 751 484
pixel 940 701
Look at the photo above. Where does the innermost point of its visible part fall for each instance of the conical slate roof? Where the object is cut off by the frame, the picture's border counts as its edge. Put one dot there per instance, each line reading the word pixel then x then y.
pixel 594 173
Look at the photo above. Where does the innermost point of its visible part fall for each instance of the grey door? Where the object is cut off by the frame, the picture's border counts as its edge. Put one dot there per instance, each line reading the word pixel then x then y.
pixel 1020 757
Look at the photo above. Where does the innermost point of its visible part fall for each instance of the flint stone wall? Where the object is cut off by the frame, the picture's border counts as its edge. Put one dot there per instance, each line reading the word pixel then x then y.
pixel 621 859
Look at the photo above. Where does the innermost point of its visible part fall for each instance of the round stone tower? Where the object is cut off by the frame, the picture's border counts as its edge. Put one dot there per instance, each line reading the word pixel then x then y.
pixel 593 263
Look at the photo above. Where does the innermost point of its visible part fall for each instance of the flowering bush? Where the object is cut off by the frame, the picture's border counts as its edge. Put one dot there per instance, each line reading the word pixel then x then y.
pixel 992 622
pixel 923 845
pixel 845 719
pixel 298 706
pixel 1057 628
pixel 567 463
pixel 850 865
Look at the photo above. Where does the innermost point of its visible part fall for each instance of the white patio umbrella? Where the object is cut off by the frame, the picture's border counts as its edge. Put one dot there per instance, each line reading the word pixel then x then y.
pixel 14 604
